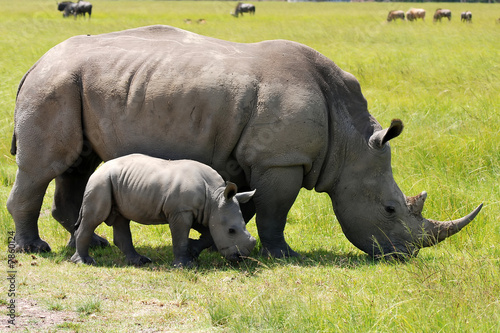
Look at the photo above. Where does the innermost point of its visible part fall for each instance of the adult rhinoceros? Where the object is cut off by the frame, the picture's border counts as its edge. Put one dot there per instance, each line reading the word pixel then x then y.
pixel 274 116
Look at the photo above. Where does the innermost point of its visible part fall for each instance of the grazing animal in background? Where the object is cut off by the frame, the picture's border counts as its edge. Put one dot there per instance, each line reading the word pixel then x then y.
pixel 81 8
pixel 67 7
pixel 415 13
pixel 466 17
pixel 244 8
pixel 201 21
pixel 395 14
pixel 239 108
pixel 61 6
pixel 440 13
pixel 185 194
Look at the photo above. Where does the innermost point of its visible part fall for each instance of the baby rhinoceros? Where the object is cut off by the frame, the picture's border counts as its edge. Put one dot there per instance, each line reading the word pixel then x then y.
pixel 149 190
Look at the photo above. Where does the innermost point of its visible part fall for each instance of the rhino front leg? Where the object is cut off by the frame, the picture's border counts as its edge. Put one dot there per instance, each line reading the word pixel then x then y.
pixel 122 237
pixel 180 226
pixel 205 241
pixel 277 189
pixel 68 196
pixel 24 204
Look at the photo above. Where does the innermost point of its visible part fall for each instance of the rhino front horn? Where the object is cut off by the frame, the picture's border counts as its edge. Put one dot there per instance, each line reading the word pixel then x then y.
pixel 439 231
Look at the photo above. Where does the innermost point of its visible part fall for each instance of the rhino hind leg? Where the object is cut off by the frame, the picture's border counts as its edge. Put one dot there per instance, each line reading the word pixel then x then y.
pixel 122 237
pixel 48 140
pixel 277 189
pixel 24 204
pixel 68 196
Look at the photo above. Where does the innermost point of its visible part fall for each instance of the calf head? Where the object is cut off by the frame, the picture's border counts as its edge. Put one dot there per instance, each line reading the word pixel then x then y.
pixel 226 223
pixel 373 212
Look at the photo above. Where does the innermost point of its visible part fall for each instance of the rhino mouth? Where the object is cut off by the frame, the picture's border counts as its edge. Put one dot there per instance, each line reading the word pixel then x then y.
pixel 235 253
pixel 399 252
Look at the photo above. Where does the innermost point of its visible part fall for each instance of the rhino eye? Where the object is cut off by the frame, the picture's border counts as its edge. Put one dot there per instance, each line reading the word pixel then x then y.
pixel 390 209
pixel 232 231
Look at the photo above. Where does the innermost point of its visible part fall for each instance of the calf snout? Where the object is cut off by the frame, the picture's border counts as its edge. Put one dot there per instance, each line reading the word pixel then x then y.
pixel 238 252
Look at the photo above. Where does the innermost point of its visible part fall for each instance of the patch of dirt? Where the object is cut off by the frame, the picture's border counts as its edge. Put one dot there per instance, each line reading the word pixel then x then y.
pixel 30 317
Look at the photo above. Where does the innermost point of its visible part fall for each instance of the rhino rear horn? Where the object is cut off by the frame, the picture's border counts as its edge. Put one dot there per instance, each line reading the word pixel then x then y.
pixel 379 138
pixel 230 190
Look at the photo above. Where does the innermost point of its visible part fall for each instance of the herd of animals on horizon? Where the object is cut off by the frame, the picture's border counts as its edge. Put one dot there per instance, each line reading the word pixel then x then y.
pixel 418 13
pixel 81 8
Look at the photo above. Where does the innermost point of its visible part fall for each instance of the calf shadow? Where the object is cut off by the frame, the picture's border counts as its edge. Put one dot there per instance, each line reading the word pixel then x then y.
pixel 162 258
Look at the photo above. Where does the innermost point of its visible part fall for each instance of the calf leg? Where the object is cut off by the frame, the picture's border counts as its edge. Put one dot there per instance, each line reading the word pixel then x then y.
pixel 83 237
pixel 205 241
pixel 180 226
pixel 96 208
pixel 122 238
pixel 68 196
pixel 277 189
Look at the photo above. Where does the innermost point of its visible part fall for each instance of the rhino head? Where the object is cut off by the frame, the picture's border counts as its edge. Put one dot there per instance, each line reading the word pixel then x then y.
pixel 373 212
pixel 226 223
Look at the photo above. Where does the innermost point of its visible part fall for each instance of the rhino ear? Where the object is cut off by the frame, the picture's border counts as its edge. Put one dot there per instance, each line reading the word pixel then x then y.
pixel 230 190
pixel 379 138
pixel 244 197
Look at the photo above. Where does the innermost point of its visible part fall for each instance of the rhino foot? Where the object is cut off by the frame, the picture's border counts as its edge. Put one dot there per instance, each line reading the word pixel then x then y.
pixel 139 260
pixel 184 263
pixel 97 241
pixel 278 252
pixel 37 246
pixel 77 259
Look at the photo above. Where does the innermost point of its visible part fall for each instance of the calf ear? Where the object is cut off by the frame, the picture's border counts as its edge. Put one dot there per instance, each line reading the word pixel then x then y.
pixel 245 196
pixel 379 138
pixel 230 191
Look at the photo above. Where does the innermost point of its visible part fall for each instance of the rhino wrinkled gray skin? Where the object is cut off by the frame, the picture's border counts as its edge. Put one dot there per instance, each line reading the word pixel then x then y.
pixel 185 194
pixel 275 116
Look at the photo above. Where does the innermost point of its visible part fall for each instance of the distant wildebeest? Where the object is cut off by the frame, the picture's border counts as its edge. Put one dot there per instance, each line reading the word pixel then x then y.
pixel 83 7
pixel 415 13
pixel 395 14
pixel 243 8
pixel 440 13
pixel 61 6
pixel 466 16
pixel 67 7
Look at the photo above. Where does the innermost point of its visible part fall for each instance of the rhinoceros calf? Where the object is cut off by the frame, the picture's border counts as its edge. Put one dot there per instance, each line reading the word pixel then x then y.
pixel 155 191
pixel 275 116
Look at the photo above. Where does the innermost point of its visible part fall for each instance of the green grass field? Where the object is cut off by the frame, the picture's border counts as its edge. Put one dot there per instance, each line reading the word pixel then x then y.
pixel 442 80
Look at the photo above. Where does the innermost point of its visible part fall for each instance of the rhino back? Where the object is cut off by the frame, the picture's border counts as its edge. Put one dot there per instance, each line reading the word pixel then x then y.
pixel 170 93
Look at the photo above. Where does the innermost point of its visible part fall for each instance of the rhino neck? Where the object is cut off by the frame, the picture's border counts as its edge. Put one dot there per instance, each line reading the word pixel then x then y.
pixel 344 145
pixel 350 126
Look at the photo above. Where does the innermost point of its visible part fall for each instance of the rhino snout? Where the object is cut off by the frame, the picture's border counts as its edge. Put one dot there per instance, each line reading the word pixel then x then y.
pixel 236 252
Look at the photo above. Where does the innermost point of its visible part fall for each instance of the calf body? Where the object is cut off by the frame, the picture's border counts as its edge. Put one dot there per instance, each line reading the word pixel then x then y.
pixel 185 194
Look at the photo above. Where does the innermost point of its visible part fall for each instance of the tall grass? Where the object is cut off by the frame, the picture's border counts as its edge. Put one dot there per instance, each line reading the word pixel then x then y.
pixel 441 79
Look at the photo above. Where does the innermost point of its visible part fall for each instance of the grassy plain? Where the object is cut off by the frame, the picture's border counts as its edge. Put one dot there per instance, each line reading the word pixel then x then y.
pixel 442 80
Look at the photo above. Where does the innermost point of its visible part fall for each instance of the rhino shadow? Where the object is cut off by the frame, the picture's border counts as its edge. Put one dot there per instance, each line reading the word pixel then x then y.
pixel 162 258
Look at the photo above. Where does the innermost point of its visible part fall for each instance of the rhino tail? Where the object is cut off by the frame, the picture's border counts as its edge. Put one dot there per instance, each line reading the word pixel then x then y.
pixel 13 145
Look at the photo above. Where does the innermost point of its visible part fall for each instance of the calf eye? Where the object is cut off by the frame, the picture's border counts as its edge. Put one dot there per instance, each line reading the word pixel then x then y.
pixel 232 231
pixel 390 209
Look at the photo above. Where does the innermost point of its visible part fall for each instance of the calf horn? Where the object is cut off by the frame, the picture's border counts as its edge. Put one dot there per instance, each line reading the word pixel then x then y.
pixel 438 231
